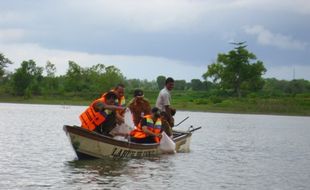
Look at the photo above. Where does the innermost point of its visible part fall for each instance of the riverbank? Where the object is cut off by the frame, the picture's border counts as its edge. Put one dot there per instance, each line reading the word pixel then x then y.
pixel 275 106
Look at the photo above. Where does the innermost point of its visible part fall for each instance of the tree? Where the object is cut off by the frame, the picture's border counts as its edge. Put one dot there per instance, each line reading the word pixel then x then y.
pixel 161 80
pixel 50 69
pixel 132 84
pixel 91 81
pixel 74 78
pixel 3 63
pixel 196 85
pixel 179 84
pixel 50 82
pixel 297 86
pixel 238 70
pixel 27 79
pixel 110 78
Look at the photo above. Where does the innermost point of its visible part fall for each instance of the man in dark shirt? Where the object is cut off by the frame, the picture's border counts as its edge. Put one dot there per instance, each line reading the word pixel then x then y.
pixel 139 106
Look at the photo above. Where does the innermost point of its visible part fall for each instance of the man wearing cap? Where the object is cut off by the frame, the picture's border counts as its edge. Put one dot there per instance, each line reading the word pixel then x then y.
pixel 149 128
pixel 139 106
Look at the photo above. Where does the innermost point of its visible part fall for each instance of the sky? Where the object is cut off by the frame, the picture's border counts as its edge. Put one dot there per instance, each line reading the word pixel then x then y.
pixel 147 38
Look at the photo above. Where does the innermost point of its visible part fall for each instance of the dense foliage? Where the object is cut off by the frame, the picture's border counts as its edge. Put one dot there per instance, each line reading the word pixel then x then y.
pixel 89 82
pixel 3 64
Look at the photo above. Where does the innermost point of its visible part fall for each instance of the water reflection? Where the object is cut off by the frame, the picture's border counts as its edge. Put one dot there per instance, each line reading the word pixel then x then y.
pixel 116 173
pixel 106 166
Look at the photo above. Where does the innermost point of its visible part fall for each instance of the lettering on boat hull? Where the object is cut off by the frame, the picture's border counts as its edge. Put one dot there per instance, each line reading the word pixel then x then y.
pixel 125 153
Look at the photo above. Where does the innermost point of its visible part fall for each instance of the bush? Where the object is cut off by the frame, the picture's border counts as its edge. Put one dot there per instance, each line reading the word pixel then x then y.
pixel 201 101
pixel 215 99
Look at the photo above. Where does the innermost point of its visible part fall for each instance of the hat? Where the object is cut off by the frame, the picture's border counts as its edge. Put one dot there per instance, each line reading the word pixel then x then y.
pixel 138 93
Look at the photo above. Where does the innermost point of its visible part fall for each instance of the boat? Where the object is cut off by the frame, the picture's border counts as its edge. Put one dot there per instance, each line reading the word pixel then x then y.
pixel 89 144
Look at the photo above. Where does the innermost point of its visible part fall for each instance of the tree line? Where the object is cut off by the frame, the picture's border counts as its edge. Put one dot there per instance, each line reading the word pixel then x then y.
pixel 236 73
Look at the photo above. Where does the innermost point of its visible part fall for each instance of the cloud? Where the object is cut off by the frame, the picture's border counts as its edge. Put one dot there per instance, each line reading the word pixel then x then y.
pixel 288 72
pixel 10 16
pixel 289 6
pixel 266 37
pixel 159 15
pixel 139 15
pixel 133 15
pixel 181 36
pixel 11 35
pixel 154 15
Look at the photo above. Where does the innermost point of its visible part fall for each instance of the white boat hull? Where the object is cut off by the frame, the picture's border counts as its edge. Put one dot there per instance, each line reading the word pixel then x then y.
pixel 91 144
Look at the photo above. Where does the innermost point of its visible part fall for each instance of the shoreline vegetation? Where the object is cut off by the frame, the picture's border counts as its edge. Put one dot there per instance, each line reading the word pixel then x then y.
pixel 298 105
pixel 233 83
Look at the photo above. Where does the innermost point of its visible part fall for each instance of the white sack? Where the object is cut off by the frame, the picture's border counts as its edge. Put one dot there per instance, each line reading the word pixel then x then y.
pixel 166 144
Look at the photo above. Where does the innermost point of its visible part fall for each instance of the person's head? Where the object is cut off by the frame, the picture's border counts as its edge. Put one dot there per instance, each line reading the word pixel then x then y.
pixel 155 113
pixel 169 83
pixel 110 98
pixel 119 90
pixel 138 94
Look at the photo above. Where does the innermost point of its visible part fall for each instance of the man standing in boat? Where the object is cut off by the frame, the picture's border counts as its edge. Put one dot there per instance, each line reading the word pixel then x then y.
pixel 164 100
pixel 139 106
pixel 100 116
pixel 149 128
pixel 119 91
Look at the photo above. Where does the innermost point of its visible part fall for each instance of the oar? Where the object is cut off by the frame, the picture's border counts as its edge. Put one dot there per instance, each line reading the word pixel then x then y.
pixel 181 121
pixel 192 129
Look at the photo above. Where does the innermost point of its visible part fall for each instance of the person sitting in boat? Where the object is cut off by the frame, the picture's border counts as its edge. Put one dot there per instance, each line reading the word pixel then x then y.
pixel 100 116
pixel 149 128
pixel 119 90
pixel 139 106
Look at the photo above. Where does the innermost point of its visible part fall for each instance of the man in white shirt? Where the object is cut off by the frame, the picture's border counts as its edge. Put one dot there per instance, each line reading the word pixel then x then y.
pixel 164 100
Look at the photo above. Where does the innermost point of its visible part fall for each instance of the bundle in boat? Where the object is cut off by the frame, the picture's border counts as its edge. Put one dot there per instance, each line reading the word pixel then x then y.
pixel 166 144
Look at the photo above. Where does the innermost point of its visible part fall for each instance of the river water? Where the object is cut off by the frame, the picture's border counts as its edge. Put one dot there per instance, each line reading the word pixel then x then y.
pixel 232 151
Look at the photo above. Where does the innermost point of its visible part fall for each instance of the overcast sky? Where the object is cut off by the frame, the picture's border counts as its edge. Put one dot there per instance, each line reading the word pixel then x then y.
pixel 147 38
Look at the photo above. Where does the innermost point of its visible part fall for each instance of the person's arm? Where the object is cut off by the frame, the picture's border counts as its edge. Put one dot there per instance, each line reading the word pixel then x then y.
pixel 145 129
pixel 114 108
pixel 167 128
pixel 170 118
pixel 100 106
pixel 168 110
pixel 119 118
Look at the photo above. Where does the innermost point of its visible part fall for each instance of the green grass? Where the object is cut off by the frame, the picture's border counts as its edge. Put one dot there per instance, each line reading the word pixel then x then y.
pixel 283 106
pixel 198 101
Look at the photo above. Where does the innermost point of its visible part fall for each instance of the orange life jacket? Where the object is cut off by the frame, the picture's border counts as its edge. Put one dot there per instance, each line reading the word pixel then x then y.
pixel 90 118
pixel 154 127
